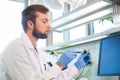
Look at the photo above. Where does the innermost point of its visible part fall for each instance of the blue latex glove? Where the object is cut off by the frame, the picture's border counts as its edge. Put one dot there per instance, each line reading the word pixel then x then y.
pixel 67 57
pixel 82 60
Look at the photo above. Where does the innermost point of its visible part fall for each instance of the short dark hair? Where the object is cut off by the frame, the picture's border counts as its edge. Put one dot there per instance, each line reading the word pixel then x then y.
pixel 29 13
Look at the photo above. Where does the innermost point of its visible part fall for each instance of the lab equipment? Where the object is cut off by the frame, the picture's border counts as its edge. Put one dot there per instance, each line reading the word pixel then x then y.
pixel 83 60
pixel 109 56
pixel 54 53
pixel 67 57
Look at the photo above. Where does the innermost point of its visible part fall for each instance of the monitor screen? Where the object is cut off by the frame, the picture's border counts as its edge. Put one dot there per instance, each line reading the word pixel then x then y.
pixel 109 57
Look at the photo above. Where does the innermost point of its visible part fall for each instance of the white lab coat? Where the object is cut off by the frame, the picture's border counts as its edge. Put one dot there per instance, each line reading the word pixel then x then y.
pixel 20 61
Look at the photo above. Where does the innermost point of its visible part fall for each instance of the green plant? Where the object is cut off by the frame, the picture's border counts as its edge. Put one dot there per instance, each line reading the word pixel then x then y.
pixel 109 18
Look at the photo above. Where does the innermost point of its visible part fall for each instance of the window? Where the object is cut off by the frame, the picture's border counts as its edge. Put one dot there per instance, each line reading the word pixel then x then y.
pixel 102 26
pixel 77 32
pixel 57 38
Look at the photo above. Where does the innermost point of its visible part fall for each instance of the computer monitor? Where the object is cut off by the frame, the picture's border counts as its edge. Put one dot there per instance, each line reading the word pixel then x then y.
pixel 109 56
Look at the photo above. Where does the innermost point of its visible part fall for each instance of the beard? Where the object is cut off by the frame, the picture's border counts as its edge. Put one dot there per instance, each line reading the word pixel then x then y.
pixel 38 34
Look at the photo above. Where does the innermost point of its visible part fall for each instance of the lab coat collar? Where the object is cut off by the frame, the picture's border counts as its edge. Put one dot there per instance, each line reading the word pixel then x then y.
pixel 26 39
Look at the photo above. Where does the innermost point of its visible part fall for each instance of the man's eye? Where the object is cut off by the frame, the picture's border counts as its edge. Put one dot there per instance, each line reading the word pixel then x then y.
pixel 44 21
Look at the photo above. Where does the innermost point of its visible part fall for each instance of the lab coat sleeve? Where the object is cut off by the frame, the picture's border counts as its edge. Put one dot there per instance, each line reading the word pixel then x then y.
pixel 2 71
pixel 55 73
pixel 19 66
pixel 49 73
pixel 66 74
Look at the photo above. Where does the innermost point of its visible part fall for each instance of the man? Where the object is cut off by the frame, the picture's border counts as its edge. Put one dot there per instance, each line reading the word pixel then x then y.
pixel 21 60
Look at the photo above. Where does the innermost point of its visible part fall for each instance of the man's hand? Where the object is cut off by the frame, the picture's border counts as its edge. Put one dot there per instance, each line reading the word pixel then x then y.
pixel 83 60
pixel 66 58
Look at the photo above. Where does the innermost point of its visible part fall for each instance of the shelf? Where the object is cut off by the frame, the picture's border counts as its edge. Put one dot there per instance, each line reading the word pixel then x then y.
pixel 82 15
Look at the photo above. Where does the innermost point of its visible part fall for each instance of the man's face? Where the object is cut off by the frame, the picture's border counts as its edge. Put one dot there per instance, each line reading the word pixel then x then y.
pixel 41 26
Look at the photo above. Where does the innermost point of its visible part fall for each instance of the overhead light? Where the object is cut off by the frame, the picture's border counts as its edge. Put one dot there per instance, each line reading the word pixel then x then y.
pixel 79 13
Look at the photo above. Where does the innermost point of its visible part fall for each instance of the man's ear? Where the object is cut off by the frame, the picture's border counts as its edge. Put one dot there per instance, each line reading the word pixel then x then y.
pixel 30 24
